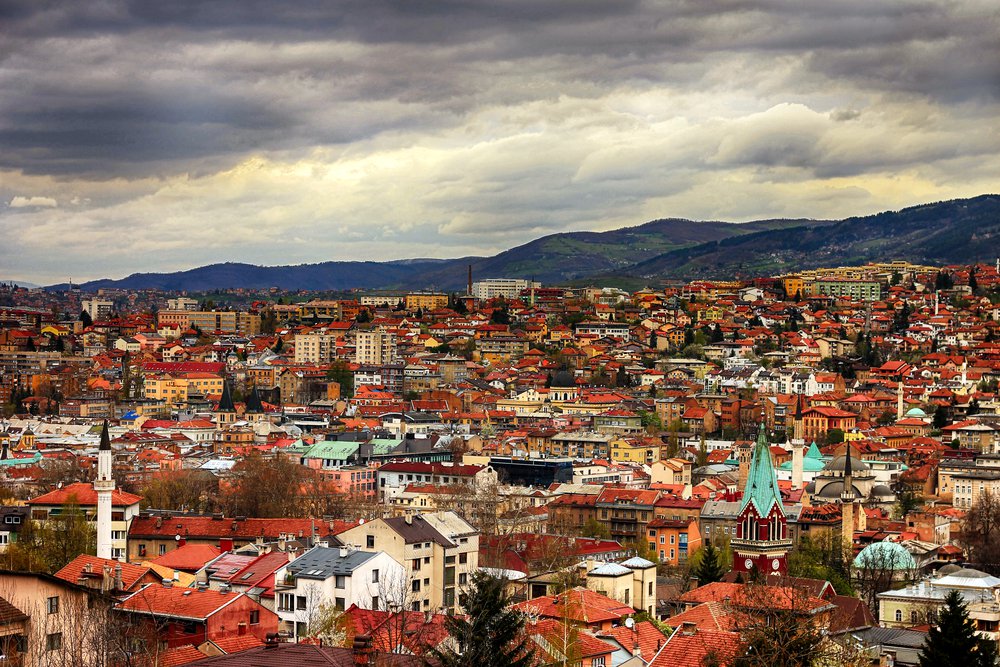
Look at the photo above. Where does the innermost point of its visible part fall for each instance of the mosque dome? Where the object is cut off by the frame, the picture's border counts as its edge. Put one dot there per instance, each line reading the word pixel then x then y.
pixel 885 555
pixel 839 463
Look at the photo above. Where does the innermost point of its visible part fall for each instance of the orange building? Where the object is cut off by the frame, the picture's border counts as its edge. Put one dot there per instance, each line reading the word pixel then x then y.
pixel 673 541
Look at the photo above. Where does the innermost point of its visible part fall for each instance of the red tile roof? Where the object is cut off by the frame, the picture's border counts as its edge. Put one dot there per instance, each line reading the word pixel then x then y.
pixel 84 495
pixel 189 557
pixel 689 647
pixel 578 604
pixel 175 602
pixel 77 568
pixel 649 637
pixel 206 527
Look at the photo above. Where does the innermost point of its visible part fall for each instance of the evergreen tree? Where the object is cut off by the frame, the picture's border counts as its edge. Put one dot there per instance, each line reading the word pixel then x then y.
pixel 708 570
pixel 491 634
pixel 953 642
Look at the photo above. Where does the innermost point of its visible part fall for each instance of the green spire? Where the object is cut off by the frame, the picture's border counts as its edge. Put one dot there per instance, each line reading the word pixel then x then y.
pixel 814 452
pixel 762 485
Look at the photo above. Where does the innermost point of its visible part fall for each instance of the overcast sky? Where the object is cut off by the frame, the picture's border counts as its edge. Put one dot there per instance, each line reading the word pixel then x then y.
pixel 154 135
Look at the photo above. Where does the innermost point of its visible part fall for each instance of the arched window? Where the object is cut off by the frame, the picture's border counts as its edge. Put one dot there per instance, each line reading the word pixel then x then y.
pixel 899 615
pixel 913 617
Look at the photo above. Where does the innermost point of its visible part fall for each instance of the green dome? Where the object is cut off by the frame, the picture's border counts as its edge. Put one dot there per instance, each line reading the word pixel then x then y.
pixel 808 465
pixel 885 555
pixel 915 412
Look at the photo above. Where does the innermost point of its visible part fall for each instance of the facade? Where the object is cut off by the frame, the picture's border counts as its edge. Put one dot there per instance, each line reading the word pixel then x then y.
pixel 439 550
pixel 508 288
pixel 375 348
pixel 124 507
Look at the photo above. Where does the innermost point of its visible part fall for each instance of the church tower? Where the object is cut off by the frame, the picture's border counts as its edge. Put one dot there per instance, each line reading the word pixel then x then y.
pixel 225 414
pixel 104 485
pixel 761 541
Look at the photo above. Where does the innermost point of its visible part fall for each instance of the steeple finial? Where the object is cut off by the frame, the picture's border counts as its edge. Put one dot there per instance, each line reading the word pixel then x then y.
pixel 226 402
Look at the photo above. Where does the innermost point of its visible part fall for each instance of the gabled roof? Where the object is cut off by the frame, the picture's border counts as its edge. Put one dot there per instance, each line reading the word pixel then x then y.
pixel 77 569
pixel 174 602
pixel 84 495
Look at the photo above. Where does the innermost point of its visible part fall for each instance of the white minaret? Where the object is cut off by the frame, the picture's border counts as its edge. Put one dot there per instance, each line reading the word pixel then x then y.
pixel 798 445
pixel 899 400
pixel 104 485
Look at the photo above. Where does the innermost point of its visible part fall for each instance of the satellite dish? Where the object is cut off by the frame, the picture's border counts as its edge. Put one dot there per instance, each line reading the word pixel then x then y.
pixel 361 522
pixel 177 537
pixel 630 623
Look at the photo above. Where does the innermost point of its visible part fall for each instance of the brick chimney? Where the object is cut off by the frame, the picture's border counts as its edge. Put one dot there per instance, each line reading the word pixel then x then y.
pixel 362 650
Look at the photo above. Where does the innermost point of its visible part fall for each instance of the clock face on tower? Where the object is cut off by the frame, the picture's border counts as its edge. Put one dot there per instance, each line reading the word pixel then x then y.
pixel 775 564
pixel 748 563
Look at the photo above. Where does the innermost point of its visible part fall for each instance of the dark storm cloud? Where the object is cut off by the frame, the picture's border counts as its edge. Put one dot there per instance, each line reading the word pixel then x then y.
pixel 117 85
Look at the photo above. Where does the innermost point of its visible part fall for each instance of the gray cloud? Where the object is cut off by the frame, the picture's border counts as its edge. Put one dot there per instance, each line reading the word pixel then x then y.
pixel 312 130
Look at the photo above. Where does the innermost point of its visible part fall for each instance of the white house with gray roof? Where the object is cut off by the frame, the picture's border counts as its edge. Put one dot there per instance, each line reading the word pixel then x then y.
pixel 330 577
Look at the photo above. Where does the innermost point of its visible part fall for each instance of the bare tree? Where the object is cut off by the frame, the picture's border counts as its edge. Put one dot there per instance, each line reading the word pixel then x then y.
pixel 981 533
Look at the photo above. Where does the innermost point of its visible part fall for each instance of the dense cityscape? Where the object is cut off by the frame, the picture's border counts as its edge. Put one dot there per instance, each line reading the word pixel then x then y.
pixel 794 469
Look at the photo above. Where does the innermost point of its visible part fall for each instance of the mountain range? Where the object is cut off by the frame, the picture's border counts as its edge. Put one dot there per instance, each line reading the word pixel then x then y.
pixel 957 231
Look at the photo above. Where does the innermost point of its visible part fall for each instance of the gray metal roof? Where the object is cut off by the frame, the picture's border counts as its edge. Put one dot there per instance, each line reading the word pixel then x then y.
pixel 325 562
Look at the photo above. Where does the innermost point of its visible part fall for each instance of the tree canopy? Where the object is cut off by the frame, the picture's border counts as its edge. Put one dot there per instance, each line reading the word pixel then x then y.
pixel 953 642
pixel 490 634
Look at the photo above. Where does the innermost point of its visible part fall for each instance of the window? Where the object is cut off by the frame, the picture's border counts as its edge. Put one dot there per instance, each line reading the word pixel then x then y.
pixel 375 602
pixel 142 549
pixel 899 615
pixel 370 541
pixel 4 538
pixel 339 603
pixel 163 549
pixel 416 564
pixel 53 642
pixel 300 602
pixel 597 662
pixel 52 605
pixel 913 617
pixel 285 601
pixel 254 617
pixel 463 578
pixel 415 606
pixel 375 576
pixel 340 581
pixel 415 586
pixel 117 535
pixel 463 558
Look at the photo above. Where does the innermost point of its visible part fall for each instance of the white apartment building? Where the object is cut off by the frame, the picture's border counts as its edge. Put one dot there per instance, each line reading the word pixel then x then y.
pixel 338 577
pixel 315 348
pixel 98 309
pixel 508 288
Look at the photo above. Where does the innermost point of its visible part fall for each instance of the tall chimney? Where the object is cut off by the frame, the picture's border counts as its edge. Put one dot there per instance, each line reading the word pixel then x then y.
pixel 469 288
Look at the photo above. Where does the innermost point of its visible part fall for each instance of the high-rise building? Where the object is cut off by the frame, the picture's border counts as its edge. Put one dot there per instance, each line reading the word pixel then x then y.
pixel 375 347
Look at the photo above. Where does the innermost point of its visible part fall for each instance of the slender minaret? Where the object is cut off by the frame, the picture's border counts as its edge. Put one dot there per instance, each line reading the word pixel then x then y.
pixel 104 485
pixel 899 400
pixel 798 446
pixel 847 503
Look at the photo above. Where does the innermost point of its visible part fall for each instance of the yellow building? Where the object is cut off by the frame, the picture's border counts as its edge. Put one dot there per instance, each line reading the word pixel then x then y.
pixel 426 300
pixel 634 451
pixel 174 389
pixel 793 285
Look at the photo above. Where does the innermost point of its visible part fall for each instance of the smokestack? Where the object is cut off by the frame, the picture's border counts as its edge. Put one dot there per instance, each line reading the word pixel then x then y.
pixel 469 289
